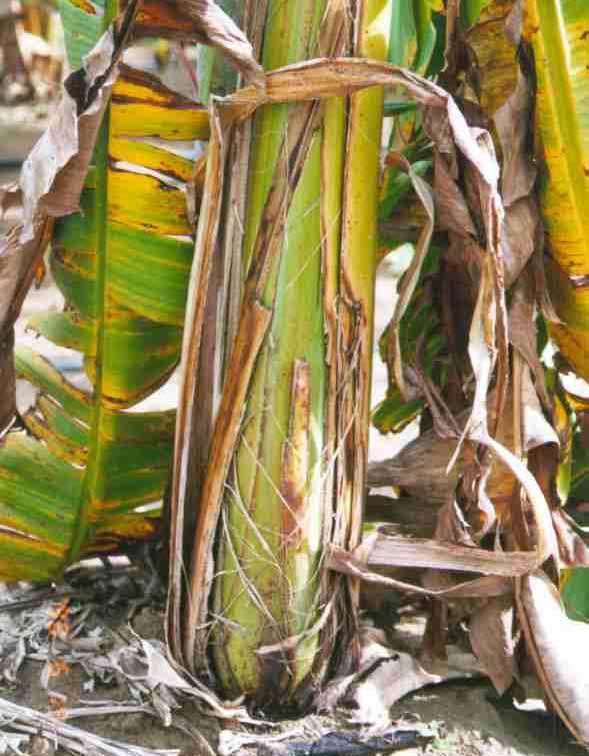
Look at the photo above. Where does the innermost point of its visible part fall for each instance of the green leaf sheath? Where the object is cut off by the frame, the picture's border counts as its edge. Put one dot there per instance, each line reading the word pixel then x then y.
pixel 284 500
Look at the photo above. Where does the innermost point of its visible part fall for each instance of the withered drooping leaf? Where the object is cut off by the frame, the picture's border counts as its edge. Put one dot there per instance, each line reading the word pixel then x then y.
pixel 356 565
pixel 523 331
pixel 521 236
pixel 53 174
pixel 573 542
pixel 431 481
pixel 451 208
pixel 558 647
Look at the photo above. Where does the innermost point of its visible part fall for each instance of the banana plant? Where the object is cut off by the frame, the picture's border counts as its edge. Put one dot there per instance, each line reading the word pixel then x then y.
pixel 290 215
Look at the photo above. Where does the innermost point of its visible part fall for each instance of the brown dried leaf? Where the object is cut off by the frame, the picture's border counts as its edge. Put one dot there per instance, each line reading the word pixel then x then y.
pixel 390 677
pixel 382 552
pixel 521 235
pixel 408 515
pixel 558 647
pixel 432 482
pixel 488 346
pixel 451 208
pixel 385 675
pixel 482 346
pixel 546 545
pixel 452 526
pixel 492 640
pixel 537 431
pixel 10 198
pixel 512 122
pixel 444 422
pixel 356 566
pixel 205 22
pixel 523 332
pixel 572 541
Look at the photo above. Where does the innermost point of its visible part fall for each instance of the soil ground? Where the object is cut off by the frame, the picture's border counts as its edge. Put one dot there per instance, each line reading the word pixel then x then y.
pixel 468 719
pixel 465 715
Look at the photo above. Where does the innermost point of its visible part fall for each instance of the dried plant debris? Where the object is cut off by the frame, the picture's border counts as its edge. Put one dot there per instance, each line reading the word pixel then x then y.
pixel 49 733
pixel 70 624
pixel 81 624
pixel 390 668
pixel 348 744
pixel 319 737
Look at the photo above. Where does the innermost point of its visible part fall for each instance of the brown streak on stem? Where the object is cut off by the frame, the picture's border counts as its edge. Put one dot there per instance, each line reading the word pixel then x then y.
pixel 295 458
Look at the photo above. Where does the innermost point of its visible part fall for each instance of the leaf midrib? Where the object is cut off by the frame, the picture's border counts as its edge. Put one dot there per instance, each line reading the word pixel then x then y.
pixel 89 492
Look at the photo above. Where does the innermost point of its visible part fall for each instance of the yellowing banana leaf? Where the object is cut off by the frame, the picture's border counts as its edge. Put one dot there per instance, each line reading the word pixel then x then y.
pixel 78 479
pixel 496 67
pixel 557 31
pixel 140 104
pixel 122 267
pixel 50 186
